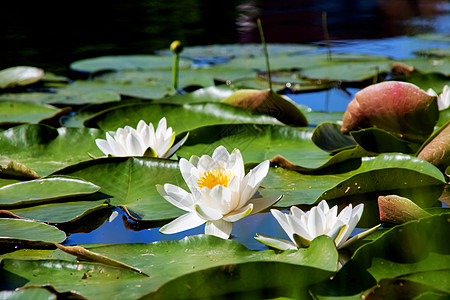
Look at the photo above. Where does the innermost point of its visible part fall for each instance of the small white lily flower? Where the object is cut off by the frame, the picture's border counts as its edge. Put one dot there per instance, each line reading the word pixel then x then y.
pixel 303 227
pixel 220 192
pixel 142 141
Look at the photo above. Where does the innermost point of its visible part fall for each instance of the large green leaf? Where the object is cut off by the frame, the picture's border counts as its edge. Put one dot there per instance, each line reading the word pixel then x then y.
pixel 77 93
pixel 164 261
pixel 45 149
pixel 131 182
pixel 46 189
pixel 22 112
pixel 124 62
pixel 257 143
pixel 17 229
pixel 386 172
pixel 416 251
pixel 194 115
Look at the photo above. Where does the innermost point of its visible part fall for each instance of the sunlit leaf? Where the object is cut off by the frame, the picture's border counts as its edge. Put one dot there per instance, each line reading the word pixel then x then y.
pixel 18 229
pixel 17 76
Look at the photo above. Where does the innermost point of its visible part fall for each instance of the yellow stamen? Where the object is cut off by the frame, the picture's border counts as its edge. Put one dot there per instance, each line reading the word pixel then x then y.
pixel 214 177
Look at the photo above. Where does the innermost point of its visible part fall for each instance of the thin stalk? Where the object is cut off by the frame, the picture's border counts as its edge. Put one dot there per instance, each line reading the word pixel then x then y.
pixel 325 33
pixel 266 53
pixel 175 70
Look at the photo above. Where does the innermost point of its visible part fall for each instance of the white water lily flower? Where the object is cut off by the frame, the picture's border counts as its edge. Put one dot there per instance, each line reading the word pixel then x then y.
pixel 142 140
pixel 303 227
pixel 220 192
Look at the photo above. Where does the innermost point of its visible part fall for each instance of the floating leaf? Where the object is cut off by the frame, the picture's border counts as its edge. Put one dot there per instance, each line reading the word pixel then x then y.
pixel 194 116
pixel 17 170
pixel 17 112
pixel 17 229
pixel 163 261
pixel 131 182
pixel 386 172
pixel 123 62
pixel 379 141
pixel 45 189
pixel 17 76
pixel 45 149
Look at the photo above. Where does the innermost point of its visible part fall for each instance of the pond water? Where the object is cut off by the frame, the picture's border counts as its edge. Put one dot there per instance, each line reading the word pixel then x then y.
pixel 42 36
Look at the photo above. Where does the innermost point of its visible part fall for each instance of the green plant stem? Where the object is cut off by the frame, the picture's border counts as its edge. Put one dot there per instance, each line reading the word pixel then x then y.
pixel 325 33
pixel 266 54
pixel 176 58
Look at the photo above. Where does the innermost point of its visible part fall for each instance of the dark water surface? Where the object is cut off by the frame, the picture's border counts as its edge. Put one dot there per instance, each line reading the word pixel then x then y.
pixel 51 34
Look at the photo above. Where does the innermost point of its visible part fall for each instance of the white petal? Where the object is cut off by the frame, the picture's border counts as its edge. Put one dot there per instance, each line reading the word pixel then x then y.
pixel 323 205
pixel 220 199
pixel 260 204
pixel 236 164
pixel 351 224
pixel 299 228
pixel 176 146
pixel 161 129
pixel 219 228
pixel 297 212
pixel 176 196
pixel 134 145
pixel 104 146
pixel 275 243
pixel 282 219
pixel 258 174
pixel 117 148
pixel 239 214
pixel 208 213
pixel 182 223
pixel 220 154
pixel 141 126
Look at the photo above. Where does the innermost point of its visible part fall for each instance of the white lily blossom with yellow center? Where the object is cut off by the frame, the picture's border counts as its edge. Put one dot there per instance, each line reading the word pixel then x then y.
pixel 303 227
pixel 220 192
pixel 144 139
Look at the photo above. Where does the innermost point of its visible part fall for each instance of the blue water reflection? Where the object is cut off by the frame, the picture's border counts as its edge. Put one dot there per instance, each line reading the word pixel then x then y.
pixel 243 232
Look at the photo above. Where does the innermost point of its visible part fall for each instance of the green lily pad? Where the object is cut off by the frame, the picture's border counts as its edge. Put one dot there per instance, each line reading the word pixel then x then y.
pixel 124 62
pixel 79 92
pixel 45 189
pixel 165 261
pixel 257 143
pixel 210 94
pixel 18 76
pixel 194 116
pixel 430 65
pixel 416 251
pixel 131 182
pixel 79 210
pixel 230 51
pixel 379 141
pixel 386 172
pixel 45 149
pixel 17 229
pixel 434 52
pixel 22 112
